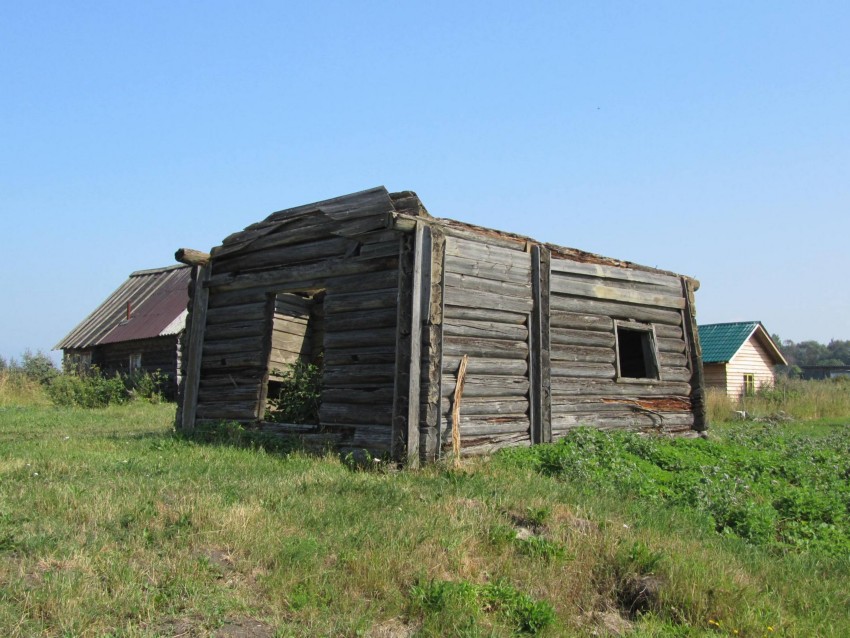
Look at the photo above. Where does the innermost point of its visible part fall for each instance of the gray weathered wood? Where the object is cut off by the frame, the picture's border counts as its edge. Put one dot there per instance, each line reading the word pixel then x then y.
pixel 485 366
pixel 697 379
pixel 511 272
pixel 488 348
pixel 194 347
pixel 570 337
pixel 502 288
pixel 460 312
pixel 573 287
pixel 582 369
pixel 581 321
pixel 485 329
pixel 615 273
pixel 415 364
pixel 583 353
pixel 489 300
pixel 616 310
pixel 191 257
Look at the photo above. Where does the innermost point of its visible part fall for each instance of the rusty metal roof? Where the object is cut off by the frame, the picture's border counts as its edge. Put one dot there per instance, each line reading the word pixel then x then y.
pixel 151 303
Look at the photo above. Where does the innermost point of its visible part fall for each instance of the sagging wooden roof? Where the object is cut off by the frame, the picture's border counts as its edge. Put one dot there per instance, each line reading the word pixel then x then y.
pixel 151 303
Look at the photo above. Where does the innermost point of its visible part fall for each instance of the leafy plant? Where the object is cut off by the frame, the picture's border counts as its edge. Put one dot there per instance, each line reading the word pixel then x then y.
pixel 298 394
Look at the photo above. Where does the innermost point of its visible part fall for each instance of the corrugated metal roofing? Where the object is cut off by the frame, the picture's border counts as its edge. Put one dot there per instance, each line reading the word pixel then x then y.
pixel 720 341
pixel 157 301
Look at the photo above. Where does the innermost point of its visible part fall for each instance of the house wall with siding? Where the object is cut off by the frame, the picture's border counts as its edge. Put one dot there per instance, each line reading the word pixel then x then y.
pixel 715 376
pixel 752 358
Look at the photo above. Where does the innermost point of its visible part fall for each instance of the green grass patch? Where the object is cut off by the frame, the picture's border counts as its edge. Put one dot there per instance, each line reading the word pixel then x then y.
pixel 110 524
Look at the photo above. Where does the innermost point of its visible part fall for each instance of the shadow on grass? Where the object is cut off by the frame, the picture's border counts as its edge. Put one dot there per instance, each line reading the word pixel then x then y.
pixel 235 435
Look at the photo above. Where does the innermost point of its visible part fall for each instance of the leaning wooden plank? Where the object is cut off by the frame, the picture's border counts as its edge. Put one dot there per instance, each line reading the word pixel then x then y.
pixel 581 321
pixel 611 293
pixel 615 273
pixel 616 310
pixel 194 348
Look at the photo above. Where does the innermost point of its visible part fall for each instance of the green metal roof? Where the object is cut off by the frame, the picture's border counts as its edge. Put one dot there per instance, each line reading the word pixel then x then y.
pixel 720 341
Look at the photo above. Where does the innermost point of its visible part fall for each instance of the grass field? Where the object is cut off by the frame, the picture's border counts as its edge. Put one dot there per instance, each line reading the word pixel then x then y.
pixel 110 525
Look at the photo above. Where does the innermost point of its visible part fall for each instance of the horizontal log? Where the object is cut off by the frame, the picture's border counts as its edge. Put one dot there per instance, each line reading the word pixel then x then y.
pixel 191 257
pixel 461 312
pixel 358 375
pixel 251 360
pixel 354 355
pixel 355 413
pixel 668 332
pixel 502 288
pixel 582 353
pixel 672 359
pixel 483 366
pixel 339 301
pixel 498 386
pixel 512 273
pixel 301 277
pixel 580 369
pixel 616 310
pixel 614 273
pixel 632 421
pixel 489 300
pixel 373 396
pixel 250 312
pixel 671 345
pixel 487 406
pixel 482 249
pixel 478 234
pixel 675 374
pixel 225 346
pixel 485 329
pixel 581 321
pixel 230 381
pixel 234 330
pixel 475 430
pixel 576 288
pixel 487 348
pixel 363 338
pixel 381 249
pixel 565 387
pixel 570 337
pixel 375 318
pixel 311 250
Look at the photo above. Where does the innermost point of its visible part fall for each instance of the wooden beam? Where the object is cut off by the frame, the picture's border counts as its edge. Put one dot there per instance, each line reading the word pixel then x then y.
pixel 694 351
pixel 191 257
pixel 535 351
pixel 194 348
pixel 415 369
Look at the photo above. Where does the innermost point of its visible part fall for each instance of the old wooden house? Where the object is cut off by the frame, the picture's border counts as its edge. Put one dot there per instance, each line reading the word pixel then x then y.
pixel 390 299
pixel 137 328
pixel 739 357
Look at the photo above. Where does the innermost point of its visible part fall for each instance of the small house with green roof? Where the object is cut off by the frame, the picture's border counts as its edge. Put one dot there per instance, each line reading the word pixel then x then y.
pixel 738 357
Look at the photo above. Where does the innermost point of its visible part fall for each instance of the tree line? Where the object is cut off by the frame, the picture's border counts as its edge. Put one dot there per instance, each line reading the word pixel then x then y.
pixel 813 353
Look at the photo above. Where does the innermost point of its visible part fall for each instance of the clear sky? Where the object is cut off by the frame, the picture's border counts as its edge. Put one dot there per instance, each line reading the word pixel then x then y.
pixel 707 138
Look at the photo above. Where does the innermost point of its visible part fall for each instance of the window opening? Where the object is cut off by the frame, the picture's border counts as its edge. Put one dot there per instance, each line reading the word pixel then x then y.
pixel 749 385
pixel 296 358
pixel 637 357
pixel 135 363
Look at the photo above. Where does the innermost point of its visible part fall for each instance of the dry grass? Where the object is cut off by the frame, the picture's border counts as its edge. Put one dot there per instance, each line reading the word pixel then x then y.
pixel 17 389
pixel 799 400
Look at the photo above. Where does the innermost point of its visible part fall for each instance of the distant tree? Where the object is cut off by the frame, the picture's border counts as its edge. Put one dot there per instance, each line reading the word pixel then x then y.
pixel 38 367
pixel 812 353
pixel 3 364
pixel 840 350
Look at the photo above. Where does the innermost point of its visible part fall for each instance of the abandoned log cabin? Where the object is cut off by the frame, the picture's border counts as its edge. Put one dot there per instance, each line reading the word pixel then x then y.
pixel 386 301
pixel 136 328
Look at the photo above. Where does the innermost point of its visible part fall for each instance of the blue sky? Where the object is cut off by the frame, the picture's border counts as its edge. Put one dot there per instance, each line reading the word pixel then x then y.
pixel 712 139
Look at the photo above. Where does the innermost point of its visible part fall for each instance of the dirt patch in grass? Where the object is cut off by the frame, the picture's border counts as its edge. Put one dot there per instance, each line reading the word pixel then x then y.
pixel 245 628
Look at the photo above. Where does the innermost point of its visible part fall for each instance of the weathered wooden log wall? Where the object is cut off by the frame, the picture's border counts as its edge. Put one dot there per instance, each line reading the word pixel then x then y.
pixel 343 250
pixel 487 304
pixel 586 300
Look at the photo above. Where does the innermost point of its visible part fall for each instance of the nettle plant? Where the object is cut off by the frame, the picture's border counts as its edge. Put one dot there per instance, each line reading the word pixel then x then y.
pixel 297 394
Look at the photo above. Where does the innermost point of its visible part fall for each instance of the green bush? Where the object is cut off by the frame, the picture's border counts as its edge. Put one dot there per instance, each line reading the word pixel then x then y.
pixel 298 396
pixel 93 389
